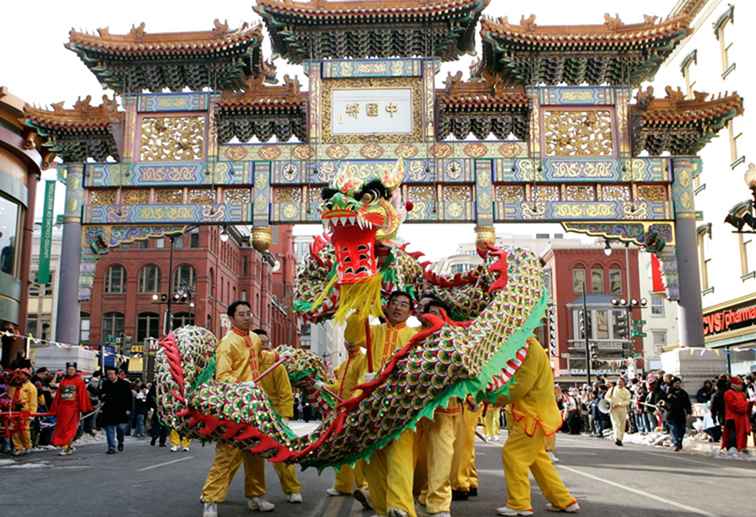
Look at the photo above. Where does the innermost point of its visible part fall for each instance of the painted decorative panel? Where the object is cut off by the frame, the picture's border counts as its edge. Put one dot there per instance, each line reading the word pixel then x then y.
pixel 614 192
pixel 288 206
pixel 578 133
pixel 423 197
pixel 371 68
pixel 484 191
pixel 288 173
pixel 169 214
pixel 165 102
pixel 262 199
pixel 101 197
pixel 581 169
pixel 653 192
pixel 576 96
pixel 165 174
pixel 685 169
pixel 237 196
pixel 169 196
pixel 457 203
pixel 456 171
pixel 172 138
pixel 569 210
pixel 135 196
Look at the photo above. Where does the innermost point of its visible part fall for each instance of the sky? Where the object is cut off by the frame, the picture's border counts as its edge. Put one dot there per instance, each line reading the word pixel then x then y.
pixel 36 67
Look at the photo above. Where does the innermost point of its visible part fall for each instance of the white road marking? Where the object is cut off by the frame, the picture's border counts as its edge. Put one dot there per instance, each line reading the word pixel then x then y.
pixel 642 493
pixel 166 463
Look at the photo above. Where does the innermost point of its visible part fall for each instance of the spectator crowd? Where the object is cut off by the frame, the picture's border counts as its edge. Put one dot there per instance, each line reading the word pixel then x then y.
pixel 723 408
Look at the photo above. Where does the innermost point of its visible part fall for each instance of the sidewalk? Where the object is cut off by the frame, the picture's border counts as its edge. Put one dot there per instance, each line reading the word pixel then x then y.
pixel 697 444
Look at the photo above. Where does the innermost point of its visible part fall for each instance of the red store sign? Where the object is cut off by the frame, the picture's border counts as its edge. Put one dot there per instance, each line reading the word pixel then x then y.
pixel 729 319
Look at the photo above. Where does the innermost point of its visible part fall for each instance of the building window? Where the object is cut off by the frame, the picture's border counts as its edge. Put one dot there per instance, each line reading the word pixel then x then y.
pixel 747 254
pixel 244 295
pixel 194 238
pixel 659 338
pixel 686 68
pixel 115 280
pixel 84 326
pixel 578 280
pixel 142 244
pixel 723 31
pixel 112 326
pixel 182 318
pixel 10 216
pixel 211 283
pixel 601 324
pixel 160 243
pixel 184 277
pixel 734 136
pixel 245 265
pixel 704 257
pixel 148 325
pixel 149 279
pixel 36 289
pixel 657 305
pixel 615 281
pixel 597 280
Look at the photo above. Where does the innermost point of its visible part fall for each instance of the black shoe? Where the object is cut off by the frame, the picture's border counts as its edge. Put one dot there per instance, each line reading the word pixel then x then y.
pixel 162 445
pixel 473 491
pixel 460 495
pixel 120 447
pixel 152 443
pixel 678 448
pixel 111 451
pixel 618 443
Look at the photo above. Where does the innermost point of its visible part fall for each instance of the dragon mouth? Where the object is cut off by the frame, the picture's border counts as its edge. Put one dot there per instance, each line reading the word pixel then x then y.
pixel 353 238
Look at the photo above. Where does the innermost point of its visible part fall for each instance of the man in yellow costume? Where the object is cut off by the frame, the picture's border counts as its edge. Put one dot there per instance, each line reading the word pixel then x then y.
pixel 277 387
pixel 532 416
pixel 23 395
pixel 350 373
pixel 619 399
pixel 464 478
pixel 438 437
pixel 237 360
pixel 390 471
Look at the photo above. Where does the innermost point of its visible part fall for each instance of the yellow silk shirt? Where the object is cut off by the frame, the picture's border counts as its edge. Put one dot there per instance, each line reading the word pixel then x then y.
pixel 277 385
pixel 236 358
pixel 384 338
pixel 349 374
pixel 531 398
pixel 26 394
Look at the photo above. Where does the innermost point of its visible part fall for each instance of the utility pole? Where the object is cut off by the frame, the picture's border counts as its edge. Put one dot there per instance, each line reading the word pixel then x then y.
pixel 586 327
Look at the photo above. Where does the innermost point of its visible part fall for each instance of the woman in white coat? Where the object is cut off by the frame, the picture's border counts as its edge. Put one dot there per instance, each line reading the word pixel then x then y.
pixel 619 399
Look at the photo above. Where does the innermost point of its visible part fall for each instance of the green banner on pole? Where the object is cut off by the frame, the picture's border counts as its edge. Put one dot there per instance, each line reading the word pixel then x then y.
pixel 45 242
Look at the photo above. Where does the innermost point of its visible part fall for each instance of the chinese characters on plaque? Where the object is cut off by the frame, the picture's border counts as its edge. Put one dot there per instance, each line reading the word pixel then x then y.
pixel 371 111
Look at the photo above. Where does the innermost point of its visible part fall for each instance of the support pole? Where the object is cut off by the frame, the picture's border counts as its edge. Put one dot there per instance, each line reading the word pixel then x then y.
pixel 690 308
pixel 586 326
pixel 69 313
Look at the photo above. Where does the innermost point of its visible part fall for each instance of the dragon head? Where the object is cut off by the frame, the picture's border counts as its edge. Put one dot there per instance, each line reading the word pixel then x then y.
pixel 361 211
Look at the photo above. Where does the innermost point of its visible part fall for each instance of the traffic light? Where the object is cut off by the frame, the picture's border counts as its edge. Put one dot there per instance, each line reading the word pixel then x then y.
pixel 584 325
pixel 621 324
pixel 552 328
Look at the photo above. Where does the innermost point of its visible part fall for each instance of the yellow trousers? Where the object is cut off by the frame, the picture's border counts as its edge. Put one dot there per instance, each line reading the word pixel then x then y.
pixel 349 479
pixel 287 475
pixel 390 476
pixel 618 417
pixel 439 439
pixel 523 453
pixel 177 440
pixel 550 442
pixel 22 439
pixel 464 472
pixel 226 463
pixel 491 422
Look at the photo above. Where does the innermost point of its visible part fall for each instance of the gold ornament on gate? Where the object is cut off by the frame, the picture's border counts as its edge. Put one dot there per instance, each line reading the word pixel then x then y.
pixel 262 237
pixel 485 234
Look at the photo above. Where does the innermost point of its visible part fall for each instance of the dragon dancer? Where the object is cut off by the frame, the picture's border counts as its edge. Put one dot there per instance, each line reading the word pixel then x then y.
pixel 390 470
pixel 237 361
pixel 532 416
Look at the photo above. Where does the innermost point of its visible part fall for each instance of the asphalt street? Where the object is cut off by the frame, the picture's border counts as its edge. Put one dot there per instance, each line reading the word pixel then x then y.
pixel 148 481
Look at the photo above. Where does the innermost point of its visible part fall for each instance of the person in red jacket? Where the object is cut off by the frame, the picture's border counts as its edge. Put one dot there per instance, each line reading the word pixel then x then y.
pixel 70 401
pixel 737 411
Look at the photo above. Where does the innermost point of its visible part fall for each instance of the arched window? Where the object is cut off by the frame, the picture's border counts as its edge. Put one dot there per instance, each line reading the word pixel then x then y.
pixel 149 279
pixel 115 280
pixel 112 325
pixel 615 281
pixel 182 318
pixel 578 280
pixel 184 277
pixel 597 279
pixel 148 325
pixel 211 283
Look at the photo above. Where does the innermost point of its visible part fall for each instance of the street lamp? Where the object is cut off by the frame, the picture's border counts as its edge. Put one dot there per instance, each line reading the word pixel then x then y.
pixel 224 235
pixel 607 248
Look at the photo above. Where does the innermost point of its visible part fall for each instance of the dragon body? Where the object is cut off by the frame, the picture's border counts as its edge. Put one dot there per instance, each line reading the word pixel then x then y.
pixel 349 272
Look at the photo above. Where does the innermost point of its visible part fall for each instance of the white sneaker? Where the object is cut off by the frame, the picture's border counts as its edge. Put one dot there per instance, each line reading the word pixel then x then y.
pixel 174 449
pixel 258 504
pixel 186 449
pixel 332 492
pixel 506 510
pixel 440 514
pixel 294 498
pixel 553 457
pixel 395 512
pixel 573 508
pixel 210 510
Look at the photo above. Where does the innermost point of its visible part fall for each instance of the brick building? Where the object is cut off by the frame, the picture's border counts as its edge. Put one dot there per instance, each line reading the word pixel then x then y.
pixel 215 270
pixel 569 266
